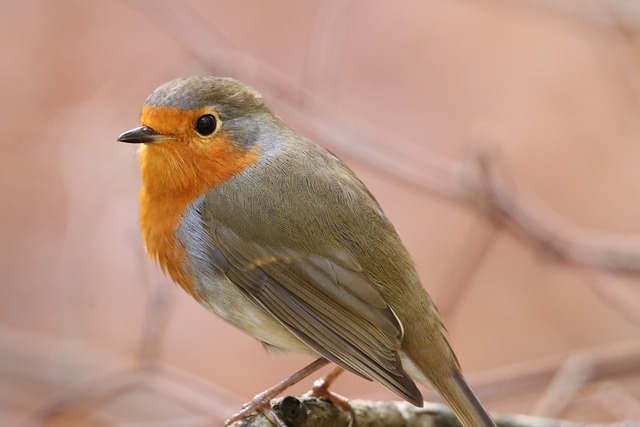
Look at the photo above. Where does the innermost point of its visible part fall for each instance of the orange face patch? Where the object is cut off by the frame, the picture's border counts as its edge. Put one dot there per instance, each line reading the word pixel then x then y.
pixel 171 120
pixel 177 171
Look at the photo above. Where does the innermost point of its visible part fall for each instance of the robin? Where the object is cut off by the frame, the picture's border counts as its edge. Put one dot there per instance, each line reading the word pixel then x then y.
pixel 277 236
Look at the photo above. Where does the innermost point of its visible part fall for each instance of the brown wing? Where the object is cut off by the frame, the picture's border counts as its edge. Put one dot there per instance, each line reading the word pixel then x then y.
pixel 325 300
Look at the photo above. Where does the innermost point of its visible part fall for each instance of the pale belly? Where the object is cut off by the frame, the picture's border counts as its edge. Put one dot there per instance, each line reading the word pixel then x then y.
pixel 220 296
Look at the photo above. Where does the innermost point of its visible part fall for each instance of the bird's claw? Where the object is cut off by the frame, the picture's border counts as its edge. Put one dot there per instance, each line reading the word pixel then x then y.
pixel 260 404
pixel 321 389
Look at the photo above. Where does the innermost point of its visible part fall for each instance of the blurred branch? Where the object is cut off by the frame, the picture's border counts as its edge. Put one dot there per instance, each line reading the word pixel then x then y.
pixel 592 12
pixel 471 256
pixel 593 257
pixel 327 32
pixel 616 401
pixel 165 380
pixel 313 412
pixel 526 221
pixel 98 390
pixel 608 362
pixel 612 294
pixel 574 373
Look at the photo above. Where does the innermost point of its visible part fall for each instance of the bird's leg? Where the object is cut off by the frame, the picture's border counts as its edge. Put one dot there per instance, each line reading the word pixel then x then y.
pixel 321 386
pixel 261 401
pixel 321 389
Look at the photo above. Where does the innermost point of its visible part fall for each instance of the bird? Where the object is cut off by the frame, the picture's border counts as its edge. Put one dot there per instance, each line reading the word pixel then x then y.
pixel 277 236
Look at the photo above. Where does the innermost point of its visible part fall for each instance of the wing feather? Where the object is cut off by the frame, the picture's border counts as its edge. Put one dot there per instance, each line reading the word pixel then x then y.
pixel 326 300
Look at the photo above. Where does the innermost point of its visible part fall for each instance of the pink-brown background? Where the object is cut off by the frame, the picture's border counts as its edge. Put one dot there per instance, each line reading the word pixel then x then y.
pixel 551 92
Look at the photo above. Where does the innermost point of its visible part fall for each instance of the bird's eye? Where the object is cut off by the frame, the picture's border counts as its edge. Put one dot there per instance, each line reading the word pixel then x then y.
pixel 206 125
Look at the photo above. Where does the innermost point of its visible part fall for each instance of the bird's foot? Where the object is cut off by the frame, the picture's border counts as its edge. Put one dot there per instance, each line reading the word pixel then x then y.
pixel 321 389
pixel 260 404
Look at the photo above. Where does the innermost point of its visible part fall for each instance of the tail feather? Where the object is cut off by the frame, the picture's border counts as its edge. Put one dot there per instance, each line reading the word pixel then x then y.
pixel 464 402
pixel 456 393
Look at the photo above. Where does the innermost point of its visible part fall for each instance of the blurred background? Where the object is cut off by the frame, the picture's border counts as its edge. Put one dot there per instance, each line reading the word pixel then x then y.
pixel 501 137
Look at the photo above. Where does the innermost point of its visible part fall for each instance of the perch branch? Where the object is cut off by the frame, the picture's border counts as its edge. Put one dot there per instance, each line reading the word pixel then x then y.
pixel 314 412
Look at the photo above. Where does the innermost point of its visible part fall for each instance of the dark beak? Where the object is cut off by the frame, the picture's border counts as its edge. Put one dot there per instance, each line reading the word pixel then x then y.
pixel 143 135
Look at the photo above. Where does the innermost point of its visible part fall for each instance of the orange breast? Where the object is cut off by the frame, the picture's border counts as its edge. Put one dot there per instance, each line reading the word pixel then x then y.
pixel 159 218
pixel 174 174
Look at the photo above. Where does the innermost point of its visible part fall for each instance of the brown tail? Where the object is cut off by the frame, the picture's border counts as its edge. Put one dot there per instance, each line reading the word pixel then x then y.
pixel 464 403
